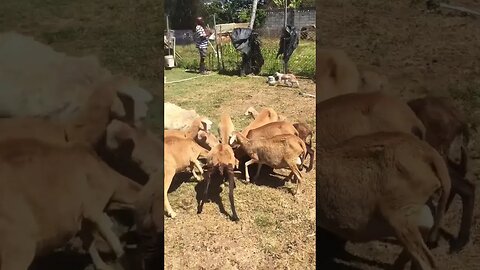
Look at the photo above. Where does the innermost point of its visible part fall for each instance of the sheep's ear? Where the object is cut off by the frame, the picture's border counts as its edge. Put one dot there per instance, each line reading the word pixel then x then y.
pixel 111 134
pixel 205 125
pixel 118 130
pixel 201 135
pixel 117 107
pixel 237 163
pixel 233 139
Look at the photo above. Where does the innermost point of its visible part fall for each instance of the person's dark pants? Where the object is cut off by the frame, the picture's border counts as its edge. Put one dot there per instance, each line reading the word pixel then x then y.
pixel 203 55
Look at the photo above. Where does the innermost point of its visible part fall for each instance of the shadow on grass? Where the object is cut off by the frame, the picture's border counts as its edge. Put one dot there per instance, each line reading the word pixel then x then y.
pixel 179 179
pixel 332 254
pixel 268 177
pixel 220 72
pixel 213 194
pixel 235 73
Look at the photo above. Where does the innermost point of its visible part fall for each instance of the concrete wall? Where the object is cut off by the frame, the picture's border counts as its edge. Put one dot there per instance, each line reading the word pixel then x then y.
pixel 275 20
pixel 272 27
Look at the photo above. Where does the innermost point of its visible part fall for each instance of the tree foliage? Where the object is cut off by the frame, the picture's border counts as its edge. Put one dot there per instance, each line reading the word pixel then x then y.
pixel 182 13
pixel 294 3
pixel 229 11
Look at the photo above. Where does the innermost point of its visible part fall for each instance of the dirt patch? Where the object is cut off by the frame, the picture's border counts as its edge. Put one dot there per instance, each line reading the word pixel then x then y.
pixel 276 230
pixel 421 53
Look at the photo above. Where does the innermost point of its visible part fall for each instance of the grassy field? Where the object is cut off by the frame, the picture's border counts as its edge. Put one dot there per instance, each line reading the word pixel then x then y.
pixel 421 54
pixel 302 62
pixel 275 231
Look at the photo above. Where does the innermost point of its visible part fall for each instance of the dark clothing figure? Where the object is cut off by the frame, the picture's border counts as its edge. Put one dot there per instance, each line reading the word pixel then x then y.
pixel 288 43
pixel 248 43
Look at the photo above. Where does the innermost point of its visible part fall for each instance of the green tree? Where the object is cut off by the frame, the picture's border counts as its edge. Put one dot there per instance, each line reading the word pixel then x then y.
pixel 295 3
pixel 229 11
pixel 182 13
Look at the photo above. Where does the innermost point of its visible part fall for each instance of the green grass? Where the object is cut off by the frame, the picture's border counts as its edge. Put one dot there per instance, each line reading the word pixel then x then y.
pixel 468 95
pixel 302 61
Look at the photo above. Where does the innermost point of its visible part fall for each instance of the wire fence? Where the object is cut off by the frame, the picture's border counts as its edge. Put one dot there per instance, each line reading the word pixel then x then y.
pixel 301 63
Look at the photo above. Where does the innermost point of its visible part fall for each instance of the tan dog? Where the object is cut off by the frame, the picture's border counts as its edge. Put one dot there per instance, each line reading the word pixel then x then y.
pixel 287 78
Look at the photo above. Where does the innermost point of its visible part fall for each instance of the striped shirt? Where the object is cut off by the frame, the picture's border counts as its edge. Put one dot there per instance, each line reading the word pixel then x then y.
pixel 201 39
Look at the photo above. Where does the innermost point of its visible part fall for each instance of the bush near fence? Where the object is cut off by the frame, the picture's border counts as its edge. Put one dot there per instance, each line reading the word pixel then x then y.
pixel 302 62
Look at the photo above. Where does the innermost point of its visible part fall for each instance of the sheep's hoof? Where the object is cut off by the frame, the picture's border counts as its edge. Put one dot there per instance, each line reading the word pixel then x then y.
pixel 432 244
pixel 172 214
pixel 457 245
pixel 235 218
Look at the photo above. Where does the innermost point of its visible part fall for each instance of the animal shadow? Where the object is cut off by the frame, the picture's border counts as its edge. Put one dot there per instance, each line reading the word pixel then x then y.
pixel 60 261
pixel 228 72
pixel 268 177
pixel 178 180
pixel 332 254
pixel 213 194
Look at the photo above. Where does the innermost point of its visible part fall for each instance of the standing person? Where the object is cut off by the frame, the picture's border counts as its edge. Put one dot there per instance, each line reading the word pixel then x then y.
pixel 201 41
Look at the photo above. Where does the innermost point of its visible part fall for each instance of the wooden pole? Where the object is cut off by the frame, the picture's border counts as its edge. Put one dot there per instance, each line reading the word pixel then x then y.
pixel 169 38
pixel 285 68
pixel 221 52
pixel 216 41
pixel 254 13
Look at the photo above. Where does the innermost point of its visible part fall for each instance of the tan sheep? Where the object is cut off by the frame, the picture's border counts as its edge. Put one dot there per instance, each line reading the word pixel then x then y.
pixel 179 154
pixel 221 159
pixel 197 132
pixel 176 117
pixel 88 126
pixel 191 132
pixel 35 176
pixel 282 151
pixel 448 133
pixel 225 128
pixel 375 186
pixel 306 134
pixel 346 116
pixel 336 74
pixel 266 115
pixel 371 81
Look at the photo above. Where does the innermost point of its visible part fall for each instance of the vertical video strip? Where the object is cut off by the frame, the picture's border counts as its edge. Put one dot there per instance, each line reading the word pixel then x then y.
pixel 397 110
pixel 239 135
pixel 78 82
